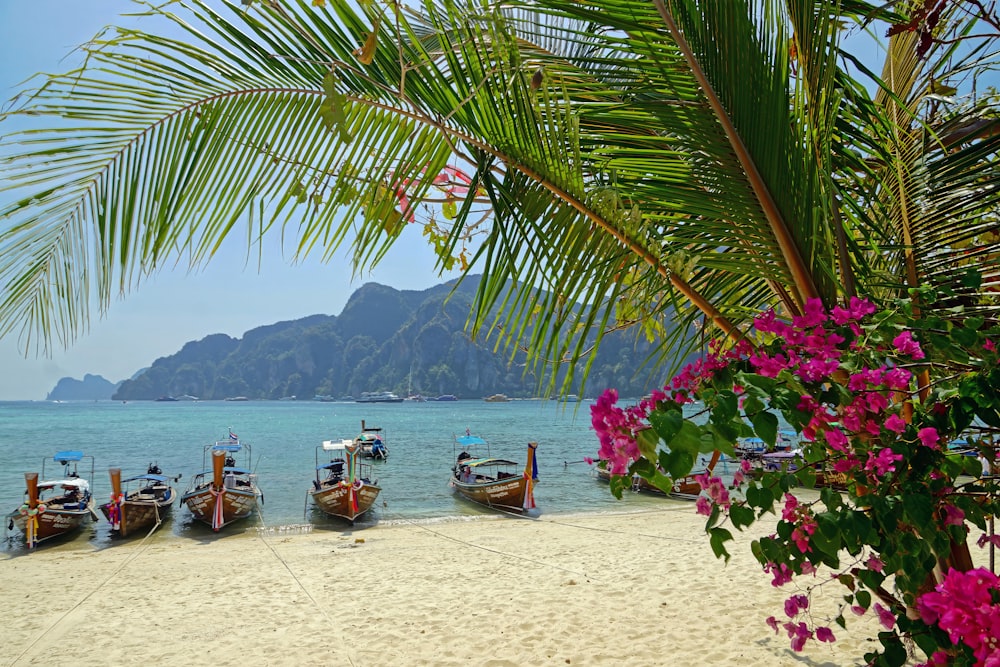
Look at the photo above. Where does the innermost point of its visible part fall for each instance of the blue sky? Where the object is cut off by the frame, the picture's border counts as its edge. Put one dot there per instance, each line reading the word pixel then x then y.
pixel 174 307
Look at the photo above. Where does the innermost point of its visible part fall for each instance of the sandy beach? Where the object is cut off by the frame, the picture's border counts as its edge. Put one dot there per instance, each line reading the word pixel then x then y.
pixel 608 589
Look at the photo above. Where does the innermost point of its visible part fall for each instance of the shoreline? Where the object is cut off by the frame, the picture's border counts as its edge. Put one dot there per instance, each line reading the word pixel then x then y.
pixel 632 587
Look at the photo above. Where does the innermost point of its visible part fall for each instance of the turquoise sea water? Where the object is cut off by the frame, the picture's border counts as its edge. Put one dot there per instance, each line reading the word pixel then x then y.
pixel 284 436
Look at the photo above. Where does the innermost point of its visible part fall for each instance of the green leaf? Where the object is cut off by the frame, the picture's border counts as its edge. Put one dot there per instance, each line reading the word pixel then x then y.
pixel 726 406
pixel 666 424
pixel 919 509
pixel 741 516
pixel 972 279
pixel 677 462
pixel 647 442
pixel 765 424
pixel 760 497
pixel 718 538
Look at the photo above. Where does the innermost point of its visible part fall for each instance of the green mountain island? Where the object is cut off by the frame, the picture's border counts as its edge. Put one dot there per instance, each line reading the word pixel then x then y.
pixel 406 342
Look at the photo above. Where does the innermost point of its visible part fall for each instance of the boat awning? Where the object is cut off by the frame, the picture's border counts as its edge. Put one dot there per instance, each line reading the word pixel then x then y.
pixel 468 440
pixel 331 445
pixel 77 482
pixel 790 454
pixel 227 447
pixel 475 463
pixel 147 476
pixel 68 455
pixel 237 471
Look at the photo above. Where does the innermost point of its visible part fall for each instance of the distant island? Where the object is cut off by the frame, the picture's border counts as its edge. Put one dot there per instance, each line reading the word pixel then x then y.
pixel 411 343
pixel 90 388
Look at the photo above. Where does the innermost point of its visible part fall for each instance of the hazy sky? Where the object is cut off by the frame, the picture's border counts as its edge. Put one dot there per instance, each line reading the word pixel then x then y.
pixel 173 307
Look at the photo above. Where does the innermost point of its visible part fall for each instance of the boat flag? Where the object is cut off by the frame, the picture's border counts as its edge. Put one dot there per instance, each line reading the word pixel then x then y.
pixel 232 436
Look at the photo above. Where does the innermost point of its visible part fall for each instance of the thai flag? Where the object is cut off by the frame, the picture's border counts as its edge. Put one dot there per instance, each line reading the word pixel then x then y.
pixel 232 436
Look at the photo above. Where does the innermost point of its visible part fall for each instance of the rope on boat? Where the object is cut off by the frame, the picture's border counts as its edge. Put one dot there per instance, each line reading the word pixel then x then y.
pixel 140 547
pixel 263 536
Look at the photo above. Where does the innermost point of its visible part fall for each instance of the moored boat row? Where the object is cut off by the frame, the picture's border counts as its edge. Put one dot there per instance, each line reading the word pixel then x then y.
pixel 225 490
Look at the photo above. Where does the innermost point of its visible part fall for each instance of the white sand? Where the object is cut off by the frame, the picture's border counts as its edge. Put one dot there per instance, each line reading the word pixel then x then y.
pixel 611 589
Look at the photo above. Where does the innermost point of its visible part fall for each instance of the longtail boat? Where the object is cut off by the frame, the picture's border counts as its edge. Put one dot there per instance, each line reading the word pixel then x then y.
pixel 493 482
pixel 685 488
pixel 225 492
pixel 343 486
pixel 139 503
pixel 371 442
pixel 56 507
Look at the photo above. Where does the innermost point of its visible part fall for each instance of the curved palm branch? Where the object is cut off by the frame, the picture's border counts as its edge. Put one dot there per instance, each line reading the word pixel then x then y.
pixel 656 155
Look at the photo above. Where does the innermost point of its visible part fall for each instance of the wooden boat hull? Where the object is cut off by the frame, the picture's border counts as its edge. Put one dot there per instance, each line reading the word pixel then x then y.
pixel 685 488
pixel 505 494
pixel 139 515
pixel 57 522
pixel 237 503
pixel 339 500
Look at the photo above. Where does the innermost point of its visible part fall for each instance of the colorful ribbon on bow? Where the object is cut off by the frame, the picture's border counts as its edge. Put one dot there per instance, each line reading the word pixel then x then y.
pixel 114 510
pixel 217 515
pixel 30 526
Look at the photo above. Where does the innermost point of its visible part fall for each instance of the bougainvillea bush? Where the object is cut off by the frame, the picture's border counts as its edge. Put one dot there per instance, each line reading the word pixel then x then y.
pixel 877 420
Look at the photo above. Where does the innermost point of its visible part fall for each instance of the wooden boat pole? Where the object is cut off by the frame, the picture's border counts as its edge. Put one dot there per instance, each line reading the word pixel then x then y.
pixel 529 466
pixel 218 463
pixel 116 482
pixel 31 514
pixel 31 479
pixel 218 489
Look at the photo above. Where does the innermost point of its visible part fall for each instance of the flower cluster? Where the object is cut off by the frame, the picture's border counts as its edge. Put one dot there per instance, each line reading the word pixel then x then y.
pixel 966 605
pixel 846 381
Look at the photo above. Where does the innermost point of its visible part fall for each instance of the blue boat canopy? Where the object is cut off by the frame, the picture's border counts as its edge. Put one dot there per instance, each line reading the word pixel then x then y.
pixel 227 447
pixel 466 440
pixel 68 455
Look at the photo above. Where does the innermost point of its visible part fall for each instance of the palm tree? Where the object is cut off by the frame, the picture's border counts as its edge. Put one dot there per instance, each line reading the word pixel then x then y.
pixel 688 159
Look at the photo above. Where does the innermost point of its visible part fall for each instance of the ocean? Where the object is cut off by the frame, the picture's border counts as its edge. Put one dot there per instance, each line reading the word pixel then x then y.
pixel 284 435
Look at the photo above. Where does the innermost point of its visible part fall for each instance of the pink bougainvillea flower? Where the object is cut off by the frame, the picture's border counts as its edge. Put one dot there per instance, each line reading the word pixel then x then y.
pixel 985 539
pixel 895 424
pixel 825 634
pixel 799 633
pixel 781 574
pixel 836 439
pixel 905 344
pixel 989 345
pixel 883 462
pixel 929 437
pixel 897 379
pixel 885 617
pixel 953 516
pixel 703 506
pixel 796 604
pixel 963 606
pixel 874 563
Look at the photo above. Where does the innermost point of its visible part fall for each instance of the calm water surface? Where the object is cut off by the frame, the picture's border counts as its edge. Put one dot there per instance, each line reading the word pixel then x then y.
pixel 284 435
